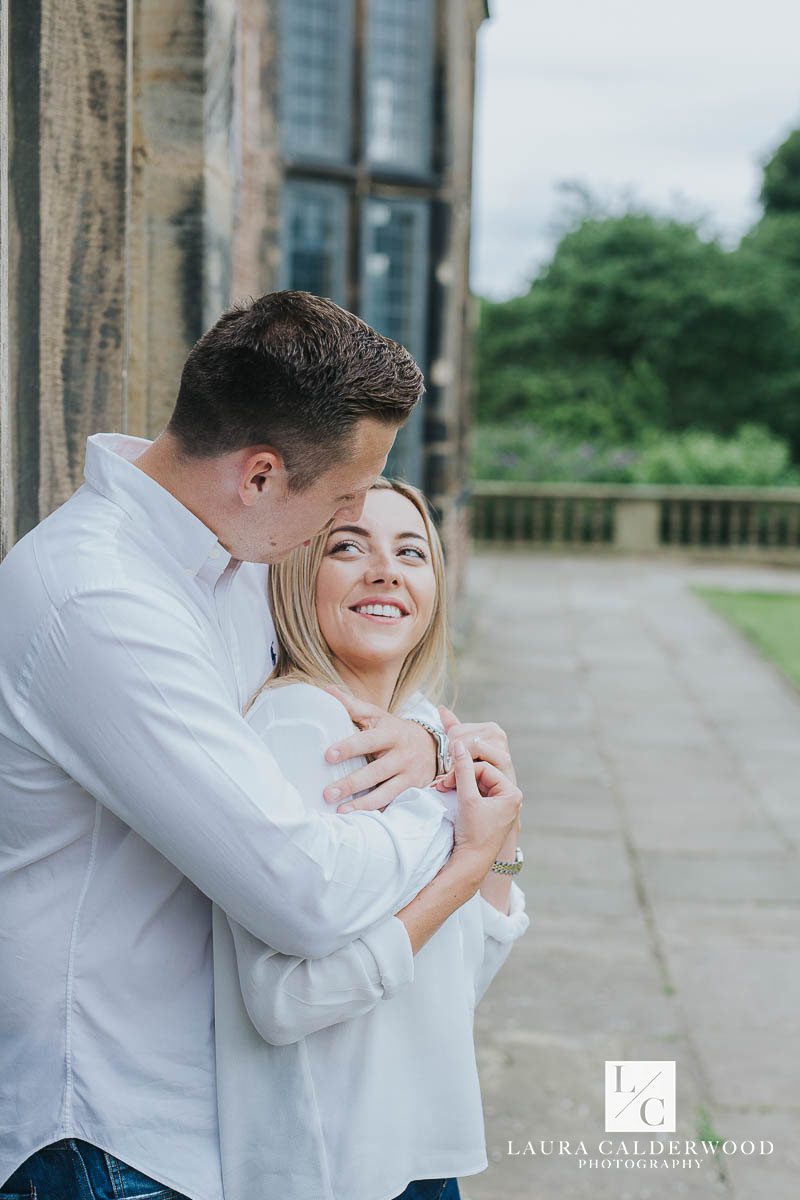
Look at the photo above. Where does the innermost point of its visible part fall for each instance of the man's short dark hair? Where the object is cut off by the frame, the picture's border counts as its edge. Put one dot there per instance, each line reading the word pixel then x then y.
pixel 293 371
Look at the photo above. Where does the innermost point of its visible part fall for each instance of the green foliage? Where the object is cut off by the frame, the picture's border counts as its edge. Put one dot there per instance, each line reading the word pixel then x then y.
pixel 752 457
pixel 640 322
pixel 780 190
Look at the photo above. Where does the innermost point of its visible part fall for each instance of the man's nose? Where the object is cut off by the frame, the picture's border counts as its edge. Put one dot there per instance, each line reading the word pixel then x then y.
pixel 351 511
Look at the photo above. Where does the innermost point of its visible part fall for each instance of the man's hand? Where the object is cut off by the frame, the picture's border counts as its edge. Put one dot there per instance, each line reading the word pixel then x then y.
pixel 484 743
pixel 404 756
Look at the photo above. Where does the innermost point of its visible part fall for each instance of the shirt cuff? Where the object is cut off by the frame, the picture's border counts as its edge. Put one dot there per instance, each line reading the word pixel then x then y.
pixel 506 927
pixel 390 946
pixel 446 802
pixel 449 801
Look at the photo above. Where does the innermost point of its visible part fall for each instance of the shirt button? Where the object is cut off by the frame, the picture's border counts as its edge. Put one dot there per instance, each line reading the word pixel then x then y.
pixel 214 554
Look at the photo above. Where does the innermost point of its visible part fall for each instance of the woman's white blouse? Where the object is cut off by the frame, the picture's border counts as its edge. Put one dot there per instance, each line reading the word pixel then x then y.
pixel 345 1077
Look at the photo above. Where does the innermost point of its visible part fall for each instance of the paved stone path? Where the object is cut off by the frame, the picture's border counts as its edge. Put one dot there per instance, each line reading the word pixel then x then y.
pixel 660 757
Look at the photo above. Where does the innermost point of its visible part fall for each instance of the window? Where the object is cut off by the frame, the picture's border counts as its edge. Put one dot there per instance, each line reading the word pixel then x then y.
pixel 316 39
pixel 398 84
pixel 314 233
pixel 394 283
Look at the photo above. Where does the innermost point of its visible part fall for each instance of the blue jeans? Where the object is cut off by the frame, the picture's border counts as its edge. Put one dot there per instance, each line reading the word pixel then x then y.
pixel 431 1189
pixel 76 1170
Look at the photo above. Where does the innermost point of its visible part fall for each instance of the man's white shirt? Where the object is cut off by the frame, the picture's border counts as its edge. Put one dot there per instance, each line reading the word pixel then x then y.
pixel 134 794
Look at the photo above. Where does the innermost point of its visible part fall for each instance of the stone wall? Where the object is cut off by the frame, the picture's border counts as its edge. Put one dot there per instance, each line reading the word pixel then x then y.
pixel 140 195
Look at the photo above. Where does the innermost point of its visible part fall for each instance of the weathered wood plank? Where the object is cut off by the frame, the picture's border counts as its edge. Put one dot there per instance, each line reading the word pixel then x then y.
pixel 256 231
pixel 83 183
pixel 6 486
pixel 222 156
pixel 24 255
pixel 166 212
pixel 205 182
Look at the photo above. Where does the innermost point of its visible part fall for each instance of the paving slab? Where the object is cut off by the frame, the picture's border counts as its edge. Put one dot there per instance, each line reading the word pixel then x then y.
pixel 660 759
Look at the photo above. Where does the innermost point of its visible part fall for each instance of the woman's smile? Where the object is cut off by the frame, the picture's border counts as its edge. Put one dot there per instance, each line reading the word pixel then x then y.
pixel 387 612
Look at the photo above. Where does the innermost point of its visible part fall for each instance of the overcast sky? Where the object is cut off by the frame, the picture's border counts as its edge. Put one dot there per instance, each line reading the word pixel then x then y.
pixel 678 101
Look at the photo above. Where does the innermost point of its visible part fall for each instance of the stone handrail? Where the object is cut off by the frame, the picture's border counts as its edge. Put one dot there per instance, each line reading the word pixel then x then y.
pixel 640 518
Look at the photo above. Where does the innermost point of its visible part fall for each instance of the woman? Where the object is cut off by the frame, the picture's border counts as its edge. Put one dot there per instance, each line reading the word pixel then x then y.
pixel 353 1077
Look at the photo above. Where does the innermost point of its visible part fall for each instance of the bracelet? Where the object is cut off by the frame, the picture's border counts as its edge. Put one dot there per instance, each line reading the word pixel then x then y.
pixel 510 868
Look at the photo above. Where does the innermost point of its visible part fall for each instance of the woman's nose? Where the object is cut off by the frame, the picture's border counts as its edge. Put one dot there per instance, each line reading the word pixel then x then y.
pixel 383 571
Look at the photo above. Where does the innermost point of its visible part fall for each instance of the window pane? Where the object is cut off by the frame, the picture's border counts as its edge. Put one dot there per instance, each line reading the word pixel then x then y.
pixel 314 239
pixel 394 285
pixel 398 85
pixel 316 40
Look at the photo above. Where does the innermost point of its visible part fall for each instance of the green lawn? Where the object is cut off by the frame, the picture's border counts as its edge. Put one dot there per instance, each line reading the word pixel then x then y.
pixel 770 620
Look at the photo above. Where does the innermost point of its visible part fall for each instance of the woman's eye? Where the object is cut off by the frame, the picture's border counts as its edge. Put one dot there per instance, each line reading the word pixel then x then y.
pixel 413 550
pixel 344 546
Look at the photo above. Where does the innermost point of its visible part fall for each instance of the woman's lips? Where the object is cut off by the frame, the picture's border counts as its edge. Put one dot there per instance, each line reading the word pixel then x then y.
pixel 375 617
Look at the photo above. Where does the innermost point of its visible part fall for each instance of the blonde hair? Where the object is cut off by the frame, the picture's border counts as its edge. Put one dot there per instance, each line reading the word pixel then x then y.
pixel 303 654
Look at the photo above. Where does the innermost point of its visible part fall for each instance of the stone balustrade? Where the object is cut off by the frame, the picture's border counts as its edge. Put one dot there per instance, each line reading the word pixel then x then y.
pixel 754 523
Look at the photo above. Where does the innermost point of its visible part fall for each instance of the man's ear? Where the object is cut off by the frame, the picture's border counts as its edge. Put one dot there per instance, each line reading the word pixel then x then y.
pixel 260 471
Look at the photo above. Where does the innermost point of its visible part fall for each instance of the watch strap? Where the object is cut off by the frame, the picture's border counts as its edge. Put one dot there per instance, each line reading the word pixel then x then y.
pixel 509 868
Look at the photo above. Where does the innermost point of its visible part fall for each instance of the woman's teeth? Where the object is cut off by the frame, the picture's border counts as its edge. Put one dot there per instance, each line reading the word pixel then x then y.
pixel 379 610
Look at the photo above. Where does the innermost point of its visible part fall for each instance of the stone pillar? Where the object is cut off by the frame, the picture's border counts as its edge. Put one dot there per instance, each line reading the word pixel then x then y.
pixel 449 404
pixel 637 525
pixel 256 227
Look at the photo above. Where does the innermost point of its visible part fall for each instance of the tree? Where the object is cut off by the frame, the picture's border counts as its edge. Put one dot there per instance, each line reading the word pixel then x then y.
pixel 780 190
pixel 640 322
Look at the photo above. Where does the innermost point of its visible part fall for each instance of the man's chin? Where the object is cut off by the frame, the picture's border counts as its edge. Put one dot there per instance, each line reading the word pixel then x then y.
pixel 276 556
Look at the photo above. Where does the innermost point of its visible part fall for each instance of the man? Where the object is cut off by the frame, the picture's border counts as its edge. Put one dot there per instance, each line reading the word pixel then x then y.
pixel 134 628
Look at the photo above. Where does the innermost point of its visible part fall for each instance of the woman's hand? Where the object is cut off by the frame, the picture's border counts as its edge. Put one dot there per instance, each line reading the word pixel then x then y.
pixel 484 743
pixel 489 807
pixel 404 756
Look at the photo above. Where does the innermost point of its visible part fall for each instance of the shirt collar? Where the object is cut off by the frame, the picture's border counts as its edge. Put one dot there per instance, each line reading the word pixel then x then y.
pixel 109 470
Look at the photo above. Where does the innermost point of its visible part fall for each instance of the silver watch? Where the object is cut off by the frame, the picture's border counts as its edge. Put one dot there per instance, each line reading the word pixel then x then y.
pixel 444 759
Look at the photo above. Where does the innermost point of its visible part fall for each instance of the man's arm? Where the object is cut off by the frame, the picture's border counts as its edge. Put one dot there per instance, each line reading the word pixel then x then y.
pixel 121 691
pixel 289 997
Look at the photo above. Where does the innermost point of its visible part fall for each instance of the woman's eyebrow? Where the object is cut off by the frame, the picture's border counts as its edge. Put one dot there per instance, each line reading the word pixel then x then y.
pixel 365 532
pixel 350 529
